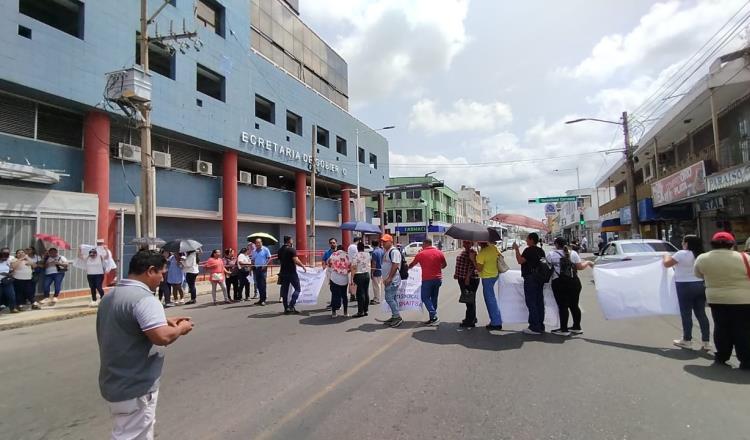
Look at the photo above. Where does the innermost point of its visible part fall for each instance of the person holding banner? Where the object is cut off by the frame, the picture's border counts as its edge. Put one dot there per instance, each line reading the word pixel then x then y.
pixel 288 262
pixel 727 276
pixel 391 278
pixel 533 287
pixel 566 286
pixel 339 267
pixel 486 263
pixel 361 265
pixel 691 292
pixel 468 281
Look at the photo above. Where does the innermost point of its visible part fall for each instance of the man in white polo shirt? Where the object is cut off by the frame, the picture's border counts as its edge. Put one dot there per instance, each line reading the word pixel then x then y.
pixel 130 321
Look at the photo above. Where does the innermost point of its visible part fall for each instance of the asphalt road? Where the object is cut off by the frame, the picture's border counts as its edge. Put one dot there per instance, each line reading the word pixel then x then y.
pixel 251 373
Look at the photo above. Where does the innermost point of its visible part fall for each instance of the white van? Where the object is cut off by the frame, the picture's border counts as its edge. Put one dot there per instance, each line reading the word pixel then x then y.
pixel 412 248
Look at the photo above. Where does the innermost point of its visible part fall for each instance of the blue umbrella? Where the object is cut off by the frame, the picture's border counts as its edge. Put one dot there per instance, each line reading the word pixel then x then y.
pixel 361 227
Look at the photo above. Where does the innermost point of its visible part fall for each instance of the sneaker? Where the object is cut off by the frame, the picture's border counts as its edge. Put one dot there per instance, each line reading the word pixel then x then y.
pixel 44 301
pixel 683 343
pixel 333 314
pixel 14 311
pixel 93 304
pixel 560 332
pixel 192 301
pixel 493 327
pixel 2 307
pixel 433 321
pixel 388 321
pixel 295 311
pixel 466 325
pixel 181 302
pixel 36 306
pixel 396 322
pixel 168 305
pixel 254 297
pixel 287 311
pixel 528 331
pixel 54 300
pixel 706 346
pixel 346 315
pixel 372 302
pixel 576 331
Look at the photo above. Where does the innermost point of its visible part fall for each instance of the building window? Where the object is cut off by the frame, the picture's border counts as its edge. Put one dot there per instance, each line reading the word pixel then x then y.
pixel 373 161
pixel 210 14
pixel 413 194
pixel 294 123
pixel 323 137
pixel 65 15
pixel 160 58
pixel 341 145
pixel 361 155
pixel 59 126
pixel 399 216
pixel 398 196
pixel 210 83
pixel 414 215
pixel 265 109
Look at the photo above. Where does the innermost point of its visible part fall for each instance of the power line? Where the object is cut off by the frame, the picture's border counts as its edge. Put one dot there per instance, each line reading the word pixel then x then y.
pixel 500 163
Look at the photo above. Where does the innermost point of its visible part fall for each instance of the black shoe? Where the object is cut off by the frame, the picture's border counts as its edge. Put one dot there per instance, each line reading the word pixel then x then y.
pixel 718 363
pixel 396 322
pixel 433 321
pixel 287 311
pixel 295 311
pixel 493 327
pixel 576 331
pixel 192 301
pixel 466 325
pixel 359 315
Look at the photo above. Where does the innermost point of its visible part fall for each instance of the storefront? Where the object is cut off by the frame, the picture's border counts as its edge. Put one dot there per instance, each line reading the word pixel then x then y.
pixel 726 206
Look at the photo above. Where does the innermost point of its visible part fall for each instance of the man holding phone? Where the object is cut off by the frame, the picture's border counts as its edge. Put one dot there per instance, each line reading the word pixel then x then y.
pixel 130 321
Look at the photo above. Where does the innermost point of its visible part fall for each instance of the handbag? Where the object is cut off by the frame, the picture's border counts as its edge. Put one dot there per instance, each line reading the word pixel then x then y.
pixel 467 296
pixel 502 266
pixel 217 276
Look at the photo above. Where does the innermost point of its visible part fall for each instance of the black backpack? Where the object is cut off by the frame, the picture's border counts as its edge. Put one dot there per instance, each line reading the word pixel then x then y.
pixel 403 269
pixel 542 272
pixel 567 268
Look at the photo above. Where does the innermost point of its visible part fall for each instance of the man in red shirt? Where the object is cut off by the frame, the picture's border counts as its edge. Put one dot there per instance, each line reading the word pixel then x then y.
pixel 432 261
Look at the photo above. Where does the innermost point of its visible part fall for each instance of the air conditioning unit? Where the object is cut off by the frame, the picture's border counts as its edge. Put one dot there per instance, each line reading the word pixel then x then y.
pixel 203 167
pixel 162 160
pixel 128 152
pixel 246 178
pixel 261 180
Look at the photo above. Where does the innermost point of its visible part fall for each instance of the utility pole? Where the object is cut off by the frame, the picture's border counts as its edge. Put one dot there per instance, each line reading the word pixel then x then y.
pixel 148 170
pixel 313 172
pixel 635 227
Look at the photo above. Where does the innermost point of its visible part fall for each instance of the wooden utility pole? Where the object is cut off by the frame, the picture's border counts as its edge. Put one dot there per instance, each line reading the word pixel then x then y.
pixel 313 172
pixel 635 227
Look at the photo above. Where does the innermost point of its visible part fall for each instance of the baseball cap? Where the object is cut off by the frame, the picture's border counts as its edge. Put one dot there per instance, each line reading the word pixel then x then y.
pixel 387 237
pixel 723 236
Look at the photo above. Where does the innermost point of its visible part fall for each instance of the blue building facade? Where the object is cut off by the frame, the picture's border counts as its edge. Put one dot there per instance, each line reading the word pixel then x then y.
pixel 243 85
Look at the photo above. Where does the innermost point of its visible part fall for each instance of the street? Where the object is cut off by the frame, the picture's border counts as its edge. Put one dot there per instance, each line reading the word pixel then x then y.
pixel 249 372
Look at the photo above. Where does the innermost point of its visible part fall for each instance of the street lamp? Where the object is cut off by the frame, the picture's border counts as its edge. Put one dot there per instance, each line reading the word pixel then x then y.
pixel 356 130
pixel 578 176
pixel 635 227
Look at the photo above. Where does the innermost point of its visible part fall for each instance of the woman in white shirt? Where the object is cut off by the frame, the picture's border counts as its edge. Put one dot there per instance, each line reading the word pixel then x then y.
pixel 566 286
pixel 95 275
pixel 190 267
pixel 691 292
pixel 23 271
pixel 361 264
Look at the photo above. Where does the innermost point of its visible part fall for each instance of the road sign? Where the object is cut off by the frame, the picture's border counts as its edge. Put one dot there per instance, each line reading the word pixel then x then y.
pixel 550 209
pixel 554 199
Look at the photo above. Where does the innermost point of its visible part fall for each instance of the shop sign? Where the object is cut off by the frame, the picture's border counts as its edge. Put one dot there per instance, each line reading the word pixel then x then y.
pixel 281 152
pixel 711 204
pixel 681 185
pixel 409 229
pixel 729 178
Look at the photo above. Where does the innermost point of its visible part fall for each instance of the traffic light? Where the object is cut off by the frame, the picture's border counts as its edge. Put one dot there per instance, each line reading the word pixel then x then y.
pixel 581 221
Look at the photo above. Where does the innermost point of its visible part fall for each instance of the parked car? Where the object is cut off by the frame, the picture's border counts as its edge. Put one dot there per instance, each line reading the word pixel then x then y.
pixel 624 250
pixel 412 248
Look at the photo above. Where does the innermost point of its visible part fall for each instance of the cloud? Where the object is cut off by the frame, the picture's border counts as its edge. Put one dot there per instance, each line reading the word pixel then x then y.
pixel 464 115
pixel 393 44
pixel 670 30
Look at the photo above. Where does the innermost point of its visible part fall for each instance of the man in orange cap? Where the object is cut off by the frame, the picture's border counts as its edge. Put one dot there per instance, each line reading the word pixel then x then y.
pixel 391 278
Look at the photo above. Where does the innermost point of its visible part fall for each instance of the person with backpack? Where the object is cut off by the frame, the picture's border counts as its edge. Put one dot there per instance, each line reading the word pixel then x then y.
pixel 535 272
pixel 392 261
pixel 566 285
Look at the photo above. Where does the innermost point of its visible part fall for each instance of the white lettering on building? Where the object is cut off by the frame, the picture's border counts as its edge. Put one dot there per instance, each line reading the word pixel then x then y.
pixel 281 150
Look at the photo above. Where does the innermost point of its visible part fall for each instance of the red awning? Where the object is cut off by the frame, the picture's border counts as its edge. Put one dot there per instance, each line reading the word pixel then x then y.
pixel 520 220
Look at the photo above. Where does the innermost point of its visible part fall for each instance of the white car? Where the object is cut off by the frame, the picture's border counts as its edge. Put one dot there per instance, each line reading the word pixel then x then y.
pixel 625 250
pixel 412 248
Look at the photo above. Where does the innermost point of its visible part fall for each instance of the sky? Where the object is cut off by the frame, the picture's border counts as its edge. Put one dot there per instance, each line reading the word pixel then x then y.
pixel 472 85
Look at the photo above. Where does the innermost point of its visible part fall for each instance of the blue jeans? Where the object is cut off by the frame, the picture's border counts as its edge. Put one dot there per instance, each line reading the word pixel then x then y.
pixel 430 290
pixel 390 296
pixel 533 292
pixel 56 278
pixel 8 295
pixel 692 299
pixel 259 275
pixel 488 290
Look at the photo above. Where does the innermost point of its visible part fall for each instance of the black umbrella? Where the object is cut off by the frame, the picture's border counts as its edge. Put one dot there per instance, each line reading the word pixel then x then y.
pixel 472 232
pixel 182 245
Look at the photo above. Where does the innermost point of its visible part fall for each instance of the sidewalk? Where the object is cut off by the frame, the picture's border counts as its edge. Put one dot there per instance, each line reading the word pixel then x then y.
pixel 70 308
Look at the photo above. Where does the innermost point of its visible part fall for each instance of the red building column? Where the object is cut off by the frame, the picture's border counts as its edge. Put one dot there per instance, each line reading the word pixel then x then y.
pixel 346 236
pixel 229 200
pixel 96 166
pixel 300 207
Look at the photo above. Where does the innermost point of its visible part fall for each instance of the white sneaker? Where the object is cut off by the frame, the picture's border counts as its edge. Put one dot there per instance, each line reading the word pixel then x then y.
pixel 706 346
pixel 181 302
pixel 93 304
pixel 333 314
pixel 44 301
pixel 54 300
pixel 98 301
pixel 683 343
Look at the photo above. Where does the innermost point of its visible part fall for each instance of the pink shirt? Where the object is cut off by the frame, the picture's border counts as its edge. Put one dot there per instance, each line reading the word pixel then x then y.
pixel 215 265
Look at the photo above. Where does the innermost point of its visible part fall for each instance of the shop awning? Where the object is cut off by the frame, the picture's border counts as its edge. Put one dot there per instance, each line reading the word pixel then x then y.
pixel 647 213
pixel 613 225
pixel 27 173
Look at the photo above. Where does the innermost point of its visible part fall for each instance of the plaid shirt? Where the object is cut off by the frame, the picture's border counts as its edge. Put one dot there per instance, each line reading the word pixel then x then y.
pixel 464 265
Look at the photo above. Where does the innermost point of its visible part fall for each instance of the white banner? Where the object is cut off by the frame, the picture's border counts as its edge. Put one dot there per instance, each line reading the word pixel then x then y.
pixel 630 289
pixel 409 296
pixel 310 283
pixel 512 302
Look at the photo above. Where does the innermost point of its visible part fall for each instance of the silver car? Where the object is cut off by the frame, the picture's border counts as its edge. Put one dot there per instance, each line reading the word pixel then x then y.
pixel 625 250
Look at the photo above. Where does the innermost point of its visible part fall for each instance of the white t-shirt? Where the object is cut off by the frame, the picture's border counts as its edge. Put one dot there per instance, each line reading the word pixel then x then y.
pixel 683 270
pixel 190 265
pixel 51 264
pixel 244 260
pixel 352 251
pixel 23 271
pixel 5 268
pixel 387 263
pixel 554 256
pixel 94 266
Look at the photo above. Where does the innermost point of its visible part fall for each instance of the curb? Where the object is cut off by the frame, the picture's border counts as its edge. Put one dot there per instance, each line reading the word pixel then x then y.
pixel 37 321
